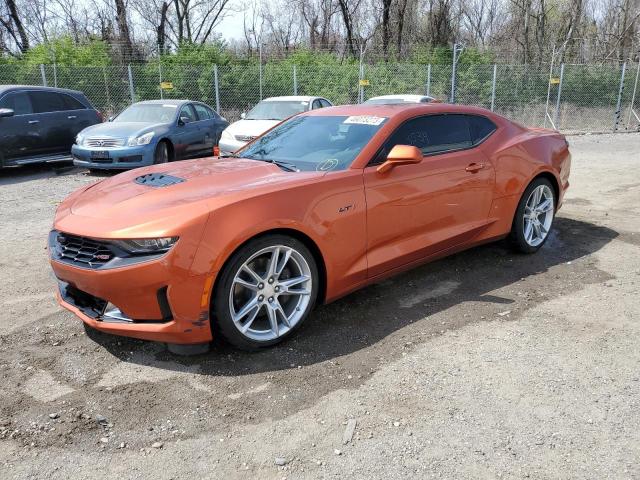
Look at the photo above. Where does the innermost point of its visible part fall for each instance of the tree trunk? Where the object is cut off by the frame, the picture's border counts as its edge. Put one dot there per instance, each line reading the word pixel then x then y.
pixel 15 17
pixel 346 17
pixel 386 32
pixel 161 34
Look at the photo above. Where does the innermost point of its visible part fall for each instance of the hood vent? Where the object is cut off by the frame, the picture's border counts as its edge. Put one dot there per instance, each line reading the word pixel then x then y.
pixel 158 180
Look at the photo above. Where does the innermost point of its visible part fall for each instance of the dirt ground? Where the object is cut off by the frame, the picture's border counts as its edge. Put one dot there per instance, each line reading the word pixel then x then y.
pixel 486 364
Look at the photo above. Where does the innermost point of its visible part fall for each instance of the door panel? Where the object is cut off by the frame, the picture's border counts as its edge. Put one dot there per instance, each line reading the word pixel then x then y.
pixel 20 135
pixel 190 136
pixel 414 211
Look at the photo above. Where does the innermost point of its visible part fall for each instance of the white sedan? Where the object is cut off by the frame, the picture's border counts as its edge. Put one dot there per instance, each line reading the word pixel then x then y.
pixel 393 99
pixel 266 114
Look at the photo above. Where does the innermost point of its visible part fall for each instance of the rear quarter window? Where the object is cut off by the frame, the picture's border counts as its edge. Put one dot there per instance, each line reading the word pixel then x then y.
pixel 481 128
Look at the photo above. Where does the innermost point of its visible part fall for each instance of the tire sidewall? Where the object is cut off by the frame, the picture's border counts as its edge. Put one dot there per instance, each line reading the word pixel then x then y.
pixel 222 322
pixel 161 144
pixel 517 230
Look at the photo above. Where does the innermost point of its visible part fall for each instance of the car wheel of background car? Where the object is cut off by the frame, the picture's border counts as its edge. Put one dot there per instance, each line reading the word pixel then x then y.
pixel 162 153
pixel 534 216
pixel 265 292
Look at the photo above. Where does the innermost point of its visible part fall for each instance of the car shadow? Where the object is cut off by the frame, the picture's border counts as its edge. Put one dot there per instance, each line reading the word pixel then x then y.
pixel 407 303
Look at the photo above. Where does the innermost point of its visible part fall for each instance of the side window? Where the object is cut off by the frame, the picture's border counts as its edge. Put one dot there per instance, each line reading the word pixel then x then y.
pixel 316 104
pixel 481 128
pixel 44 102
pixel 71 103
pixel 431 134
pixel 212 113
pixel 187 111
pixel 202 111
pixel 324 103
pixel 18 102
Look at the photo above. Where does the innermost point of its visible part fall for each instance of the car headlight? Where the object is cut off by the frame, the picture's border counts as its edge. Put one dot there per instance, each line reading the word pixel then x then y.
pixel 79 140
pixel 226 134
pixel 147 245
pixel 141 140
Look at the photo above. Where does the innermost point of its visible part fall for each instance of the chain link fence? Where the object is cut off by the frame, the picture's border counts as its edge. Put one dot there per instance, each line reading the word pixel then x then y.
pixel 582 98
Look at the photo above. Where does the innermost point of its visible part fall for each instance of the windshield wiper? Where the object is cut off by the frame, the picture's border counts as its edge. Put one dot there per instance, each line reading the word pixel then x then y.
pixel 284 165
pixel 228 155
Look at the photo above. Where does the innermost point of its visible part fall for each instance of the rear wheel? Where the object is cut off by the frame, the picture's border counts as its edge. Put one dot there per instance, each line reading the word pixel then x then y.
pixel 534 216
pixel 162 153
pixel 266 291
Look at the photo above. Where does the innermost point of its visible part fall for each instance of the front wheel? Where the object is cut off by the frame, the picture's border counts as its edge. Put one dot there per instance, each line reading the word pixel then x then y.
pixel 534 216
pixel 266 290
pixel 161 154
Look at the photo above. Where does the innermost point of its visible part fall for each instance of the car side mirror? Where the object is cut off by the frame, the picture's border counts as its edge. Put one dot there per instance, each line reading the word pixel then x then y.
pixel 6 112
pixel 401 155
pixel 183 121
pixel 243 115
pixel 110 119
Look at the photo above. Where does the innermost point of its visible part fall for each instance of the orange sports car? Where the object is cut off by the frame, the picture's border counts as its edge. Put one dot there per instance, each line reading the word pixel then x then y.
pixel 322 204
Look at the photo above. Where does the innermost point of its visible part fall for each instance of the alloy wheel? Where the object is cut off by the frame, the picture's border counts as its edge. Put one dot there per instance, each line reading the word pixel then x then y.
pixel 538 215
pixel 270 293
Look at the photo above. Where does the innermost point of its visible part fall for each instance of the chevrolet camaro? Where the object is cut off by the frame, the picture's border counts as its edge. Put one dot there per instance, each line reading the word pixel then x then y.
pixel 322 204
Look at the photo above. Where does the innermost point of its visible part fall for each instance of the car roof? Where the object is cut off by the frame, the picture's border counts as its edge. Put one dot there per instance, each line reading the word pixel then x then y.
pixel 6 88
pixel 414 98
pixel 291 98
pixel 399 109
pixel 165 102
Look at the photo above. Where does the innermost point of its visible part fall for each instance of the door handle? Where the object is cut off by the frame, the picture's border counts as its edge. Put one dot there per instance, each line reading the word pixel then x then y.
pixel 474 167
pixel 72 117
pixel 33 122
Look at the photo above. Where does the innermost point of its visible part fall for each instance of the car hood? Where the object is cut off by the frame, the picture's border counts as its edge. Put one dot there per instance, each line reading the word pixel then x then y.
pixel 251 128
pixel 121 129
pixel 202 185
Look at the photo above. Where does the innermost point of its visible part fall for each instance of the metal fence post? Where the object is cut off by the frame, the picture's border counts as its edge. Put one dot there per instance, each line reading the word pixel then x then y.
pixel 106 85
pixel 633 97
pixel 260 69
pixel 44 76
pixel 160 77
pixel 616 115
pixel 360 78
pixel 216 87
pixel 457 50
pixel 295 80
pixel 55 75
pixel 428 80
pixel 493 87
pixel 131 89
pixel 556 117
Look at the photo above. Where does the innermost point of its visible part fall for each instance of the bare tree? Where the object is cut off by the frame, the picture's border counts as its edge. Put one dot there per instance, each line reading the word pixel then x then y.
pixel 12 22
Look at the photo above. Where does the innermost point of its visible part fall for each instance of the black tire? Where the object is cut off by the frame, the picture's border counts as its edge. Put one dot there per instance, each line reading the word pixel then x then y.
pixel 222 321
pixel 517 235
pixel 161 154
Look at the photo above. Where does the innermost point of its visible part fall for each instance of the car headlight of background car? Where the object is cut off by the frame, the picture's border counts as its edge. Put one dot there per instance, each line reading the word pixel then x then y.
pixel 141 140
pixel 147 245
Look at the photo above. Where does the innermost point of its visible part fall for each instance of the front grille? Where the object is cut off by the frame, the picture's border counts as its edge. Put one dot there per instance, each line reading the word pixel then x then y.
pixel 81 251
pixel 104 142
pixel 244 138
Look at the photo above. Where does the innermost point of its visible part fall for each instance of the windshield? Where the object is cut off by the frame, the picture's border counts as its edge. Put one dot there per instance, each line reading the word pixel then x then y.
pixel 276 110
pixel 320 143
pixel 388 101
pixel 148 113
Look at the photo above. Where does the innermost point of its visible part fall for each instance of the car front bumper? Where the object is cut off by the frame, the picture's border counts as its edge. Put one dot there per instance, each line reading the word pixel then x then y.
pixel 119 158
pixel 228 146
pixel 154 300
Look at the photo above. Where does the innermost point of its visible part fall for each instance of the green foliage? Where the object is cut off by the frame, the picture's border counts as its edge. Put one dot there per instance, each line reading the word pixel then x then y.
pixel 64 51
pixel 197 54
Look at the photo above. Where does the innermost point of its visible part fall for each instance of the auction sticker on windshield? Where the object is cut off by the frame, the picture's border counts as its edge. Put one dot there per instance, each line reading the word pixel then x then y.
pixel 365 120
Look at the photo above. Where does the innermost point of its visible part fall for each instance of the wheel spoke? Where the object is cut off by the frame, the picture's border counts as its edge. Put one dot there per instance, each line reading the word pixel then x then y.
pixel 254 275
pixel 273 321
pixel 545 206
pixel 250 305
pixel 285 319
pixel 252 317
pixel 542 228
pixel 273 262
pixel 290 282
pixel 283 262
pixel 536 227
pixel 245 284
pixel 528 230
pixel 536 196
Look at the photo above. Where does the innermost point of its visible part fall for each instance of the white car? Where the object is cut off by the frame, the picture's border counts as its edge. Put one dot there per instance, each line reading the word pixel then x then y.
pixel 393 99
pixel 266 114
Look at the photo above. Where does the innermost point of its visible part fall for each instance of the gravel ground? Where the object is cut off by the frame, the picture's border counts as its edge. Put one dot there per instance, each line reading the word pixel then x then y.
pixel 486 364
